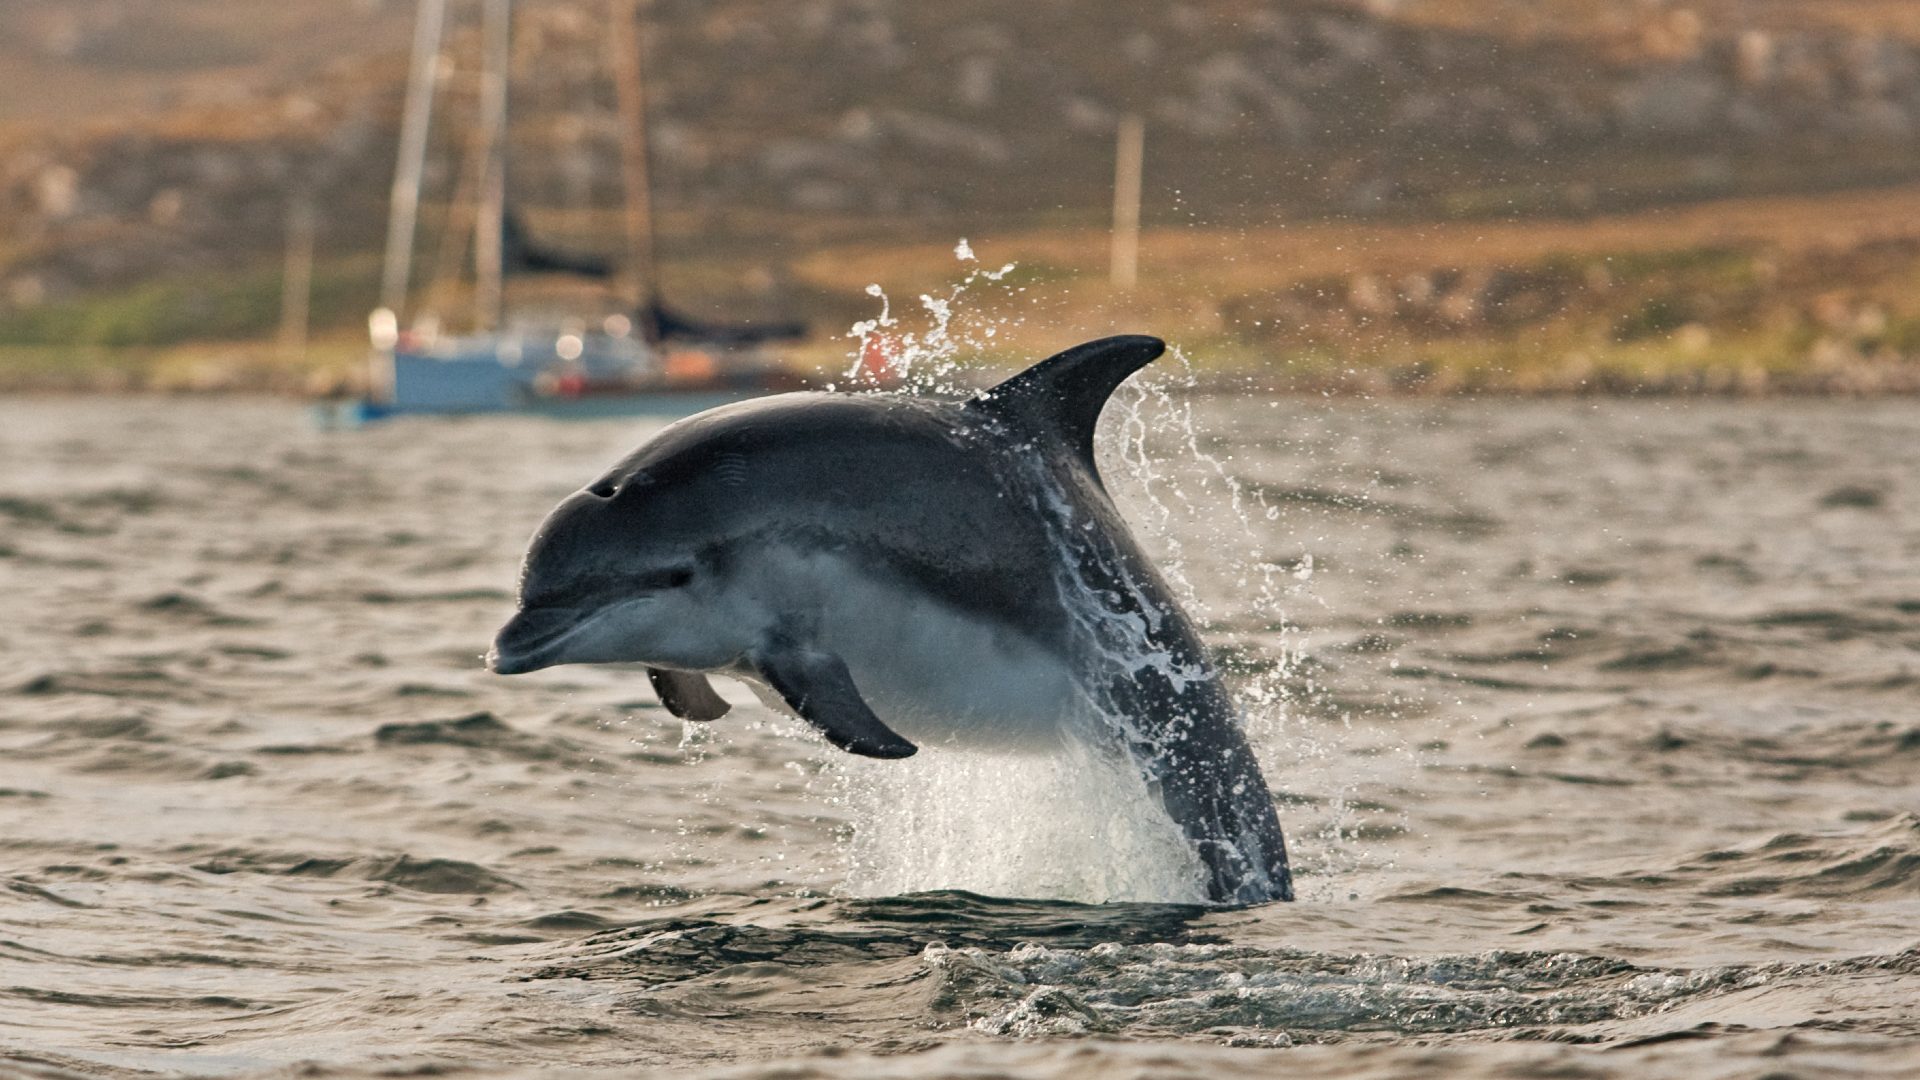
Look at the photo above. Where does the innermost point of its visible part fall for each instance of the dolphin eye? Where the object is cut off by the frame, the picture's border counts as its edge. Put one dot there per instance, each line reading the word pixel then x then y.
pixel 677 579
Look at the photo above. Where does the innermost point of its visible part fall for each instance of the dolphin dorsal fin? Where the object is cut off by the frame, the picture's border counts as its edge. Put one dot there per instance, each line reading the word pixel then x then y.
pixel 1063 394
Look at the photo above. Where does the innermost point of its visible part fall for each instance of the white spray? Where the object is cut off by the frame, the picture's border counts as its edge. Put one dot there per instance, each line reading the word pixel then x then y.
pixel 1080 824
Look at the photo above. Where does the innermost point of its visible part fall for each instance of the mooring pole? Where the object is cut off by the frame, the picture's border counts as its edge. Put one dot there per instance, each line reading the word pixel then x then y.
pixel 296 280
pixel 625 43
pixel 489 227
pixel 1129 154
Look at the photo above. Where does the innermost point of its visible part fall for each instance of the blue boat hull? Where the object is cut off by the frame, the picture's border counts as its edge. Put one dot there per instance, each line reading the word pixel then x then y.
pixel 670 405
pixel 478 383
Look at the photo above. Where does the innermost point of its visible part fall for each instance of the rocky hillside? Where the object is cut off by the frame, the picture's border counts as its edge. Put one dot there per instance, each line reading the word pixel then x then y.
pixel 779 124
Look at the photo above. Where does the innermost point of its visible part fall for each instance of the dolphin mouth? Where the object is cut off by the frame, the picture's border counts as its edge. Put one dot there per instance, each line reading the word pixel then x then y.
pixel 530 640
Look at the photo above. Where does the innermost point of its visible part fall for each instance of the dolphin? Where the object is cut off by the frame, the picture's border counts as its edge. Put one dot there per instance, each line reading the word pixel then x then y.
pixel 897 570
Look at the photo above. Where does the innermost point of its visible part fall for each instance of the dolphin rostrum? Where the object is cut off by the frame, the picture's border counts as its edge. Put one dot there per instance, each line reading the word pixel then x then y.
pixel 897 570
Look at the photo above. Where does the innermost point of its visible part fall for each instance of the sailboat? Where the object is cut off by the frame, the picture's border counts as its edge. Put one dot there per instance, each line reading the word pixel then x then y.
pixel 643 360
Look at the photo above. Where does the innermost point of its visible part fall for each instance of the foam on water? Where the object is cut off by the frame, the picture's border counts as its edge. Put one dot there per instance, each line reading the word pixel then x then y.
pixel 1038 990
pixel 1022 969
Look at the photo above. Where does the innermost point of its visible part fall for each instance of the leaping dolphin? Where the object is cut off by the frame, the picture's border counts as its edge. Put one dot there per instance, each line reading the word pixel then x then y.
pixel 892 568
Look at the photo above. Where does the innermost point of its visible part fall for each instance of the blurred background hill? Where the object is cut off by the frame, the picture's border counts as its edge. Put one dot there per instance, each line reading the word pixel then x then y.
pixel 1426 194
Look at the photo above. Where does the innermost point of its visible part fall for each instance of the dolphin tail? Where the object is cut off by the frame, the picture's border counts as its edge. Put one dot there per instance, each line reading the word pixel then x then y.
pixel 1063 394
pixel 1221 802
pixel 1191 749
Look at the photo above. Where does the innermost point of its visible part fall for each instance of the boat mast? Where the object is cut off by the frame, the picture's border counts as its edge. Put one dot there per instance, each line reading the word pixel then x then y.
pixel 490 225
pixel 403 207
pixel 403 210
pixel 641 279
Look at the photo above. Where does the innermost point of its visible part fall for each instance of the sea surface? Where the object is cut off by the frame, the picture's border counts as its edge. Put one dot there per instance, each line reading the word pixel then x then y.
pixel 1595 725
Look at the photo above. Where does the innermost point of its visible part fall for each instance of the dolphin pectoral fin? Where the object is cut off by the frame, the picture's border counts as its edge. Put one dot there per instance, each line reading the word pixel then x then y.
pixel 818 687
pixel 687 694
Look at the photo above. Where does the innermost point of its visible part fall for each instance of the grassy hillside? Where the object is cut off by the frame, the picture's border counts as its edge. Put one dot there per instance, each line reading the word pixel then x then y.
pixel 1414 193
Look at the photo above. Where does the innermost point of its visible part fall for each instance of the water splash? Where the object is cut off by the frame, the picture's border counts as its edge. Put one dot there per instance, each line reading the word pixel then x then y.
pixel 1078 824
pixel 932 360
pixel 1187 505
pixel 1084 826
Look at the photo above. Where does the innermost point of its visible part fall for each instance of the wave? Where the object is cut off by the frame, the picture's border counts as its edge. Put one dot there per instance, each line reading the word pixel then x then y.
pixel 1032 969
pixel 1879 862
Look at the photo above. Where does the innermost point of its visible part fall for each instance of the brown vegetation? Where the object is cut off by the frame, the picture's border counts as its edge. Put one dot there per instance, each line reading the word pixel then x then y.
pixel 1739 296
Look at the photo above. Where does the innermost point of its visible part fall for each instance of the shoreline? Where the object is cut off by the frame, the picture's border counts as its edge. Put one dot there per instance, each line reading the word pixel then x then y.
pixel 1381 385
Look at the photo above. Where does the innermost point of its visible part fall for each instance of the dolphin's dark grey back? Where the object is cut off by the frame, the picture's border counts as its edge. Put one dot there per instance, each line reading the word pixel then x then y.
pixel 902 483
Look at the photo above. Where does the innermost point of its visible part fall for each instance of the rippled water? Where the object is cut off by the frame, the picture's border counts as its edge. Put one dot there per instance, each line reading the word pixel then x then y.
pixel 1597 726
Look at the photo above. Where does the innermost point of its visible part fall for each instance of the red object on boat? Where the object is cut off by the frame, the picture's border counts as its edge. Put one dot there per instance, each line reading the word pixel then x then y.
pixel 878 351
pixel 691 366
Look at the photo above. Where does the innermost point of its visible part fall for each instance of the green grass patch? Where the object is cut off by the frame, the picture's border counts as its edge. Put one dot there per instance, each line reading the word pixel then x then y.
pixel 212 307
